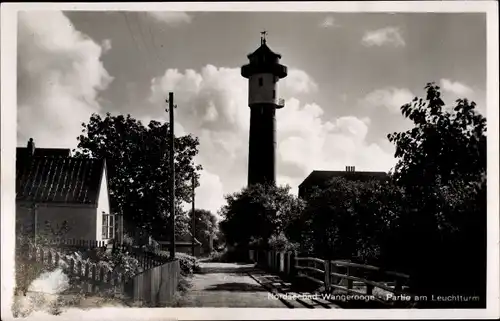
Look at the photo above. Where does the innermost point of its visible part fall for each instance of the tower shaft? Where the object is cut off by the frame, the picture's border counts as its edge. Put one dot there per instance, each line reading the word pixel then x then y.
pixel 263 73
pixel 262 145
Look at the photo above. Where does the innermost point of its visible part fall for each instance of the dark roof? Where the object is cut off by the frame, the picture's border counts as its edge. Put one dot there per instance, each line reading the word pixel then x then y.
pixel 318 178
pixel 58 180
pixel 186 238
pixel 264 50
pixel 44 152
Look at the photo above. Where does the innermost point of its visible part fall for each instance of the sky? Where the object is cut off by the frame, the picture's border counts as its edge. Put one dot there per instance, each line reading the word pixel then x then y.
pixel 348 75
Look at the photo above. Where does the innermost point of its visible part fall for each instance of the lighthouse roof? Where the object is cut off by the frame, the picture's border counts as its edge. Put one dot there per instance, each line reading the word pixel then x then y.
pixel 264 51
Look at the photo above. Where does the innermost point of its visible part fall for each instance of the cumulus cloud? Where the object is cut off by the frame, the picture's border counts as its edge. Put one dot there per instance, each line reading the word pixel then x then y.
pixel 172 18
pixel 59 78
pixel 328 22
pixel 212 104
pixel 456 87
pixel 106 45
pixel 384 36
pixel 390 98
pixel 299 82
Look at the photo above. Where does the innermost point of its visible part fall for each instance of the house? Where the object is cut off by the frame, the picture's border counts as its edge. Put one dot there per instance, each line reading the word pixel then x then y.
pixel 183 244
pixel 320 179
pixel 54 190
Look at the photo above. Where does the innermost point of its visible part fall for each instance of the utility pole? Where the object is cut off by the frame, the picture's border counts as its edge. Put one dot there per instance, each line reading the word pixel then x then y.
pixel 193 218
pixel 172 174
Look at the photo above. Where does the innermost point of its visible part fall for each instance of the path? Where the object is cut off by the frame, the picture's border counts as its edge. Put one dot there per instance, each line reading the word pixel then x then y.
pixel 235 285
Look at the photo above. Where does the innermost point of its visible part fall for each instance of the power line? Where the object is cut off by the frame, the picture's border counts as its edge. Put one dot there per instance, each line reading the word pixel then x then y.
pixel 132 34
pixel 152 39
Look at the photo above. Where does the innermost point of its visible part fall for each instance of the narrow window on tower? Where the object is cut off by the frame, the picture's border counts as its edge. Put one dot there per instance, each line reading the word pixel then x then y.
pixel 261 82
pixel 274 94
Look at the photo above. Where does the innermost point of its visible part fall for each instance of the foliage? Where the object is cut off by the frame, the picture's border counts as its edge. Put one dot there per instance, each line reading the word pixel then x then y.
pixel 218 256
pixel 442 166
pixel 138 169
pixel 281 243
pixel 349 219
pixel 120 261
pixel 258 211
pixel 189 264
pixel 205 226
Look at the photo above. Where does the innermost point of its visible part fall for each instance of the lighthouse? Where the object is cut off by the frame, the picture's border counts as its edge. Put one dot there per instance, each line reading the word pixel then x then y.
pixel 263 73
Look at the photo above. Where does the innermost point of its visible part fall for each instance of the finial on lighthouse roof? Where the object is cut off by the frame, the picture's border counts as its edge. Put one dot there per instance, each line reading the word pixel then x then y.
pixel 263 35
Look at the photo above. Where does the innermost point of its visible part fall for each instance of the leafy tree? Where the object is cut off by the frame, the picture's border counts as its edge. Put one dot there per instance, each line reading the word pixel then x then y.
pixel 205 226
pixel 138 169
pixel 442 167
pixel 350 220
pixel 258 212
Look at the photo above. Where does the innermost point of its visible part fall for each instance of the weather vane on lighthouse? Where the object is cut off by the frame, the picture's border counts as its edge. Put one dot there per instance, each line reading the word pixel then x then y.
pixel 263 37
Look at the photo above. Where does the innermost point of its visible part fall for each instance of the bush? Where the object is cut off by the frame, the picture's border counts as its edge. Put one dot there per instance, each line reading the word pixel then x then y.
pixel 189 264
pixel 219 256
pixel 280 243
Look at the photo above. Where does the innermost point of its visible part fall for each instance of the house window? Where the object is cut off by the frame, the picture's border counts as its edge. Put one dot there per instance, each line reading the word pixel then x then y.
pixel 108 226
pixel 261 82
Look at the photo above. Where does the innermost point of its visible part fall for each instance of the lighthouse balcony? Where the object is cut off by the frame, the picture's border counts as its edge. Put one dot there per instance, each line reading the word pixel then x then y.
pixel 280 103
pixel 275 69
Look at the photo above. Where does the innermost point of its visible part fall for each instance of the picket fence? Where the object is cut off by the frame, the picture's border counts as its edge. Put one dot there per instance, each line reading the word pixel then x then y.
pixel 155 285
pixel 78 243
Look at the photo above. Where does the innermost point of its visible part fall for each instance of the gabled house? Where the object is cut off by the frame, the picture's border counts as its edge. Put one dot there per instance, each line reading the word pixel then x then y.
pixel 320 179
pixel 183 244
pixel 54 189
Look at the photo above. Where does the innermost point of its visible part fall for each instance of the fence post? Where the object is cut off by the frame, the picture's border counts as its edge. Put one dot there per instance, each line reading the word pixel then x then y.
pixel 327 275
pixel 71 266
pixel 398 286
pixel 349 281
pixel 87 272
pixel 369 289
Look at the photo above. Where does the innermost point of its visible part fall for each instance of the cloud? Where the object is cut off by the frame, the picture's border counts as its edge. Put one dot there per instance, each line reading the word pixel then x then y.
pixel 59 78
pixel 299 82
pixel 329 22
pixel 106 45
pixel 172 18
pixel 390 98
pixel 456 87
pixel 384 36
pixel 212 105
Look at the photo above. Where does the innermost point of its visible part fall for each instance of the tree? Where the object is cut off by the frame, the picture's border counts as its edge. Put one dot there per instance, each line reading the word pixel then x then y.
pixel 350 220
pixel 205 226
pixel 442 167
pixel 258 212
pixel 138 169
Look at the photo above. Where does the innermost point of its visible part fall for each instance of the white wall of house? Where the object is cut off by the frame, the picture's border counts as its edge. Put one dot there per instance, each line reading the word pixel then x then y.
pixel 80 219
pixel 102 205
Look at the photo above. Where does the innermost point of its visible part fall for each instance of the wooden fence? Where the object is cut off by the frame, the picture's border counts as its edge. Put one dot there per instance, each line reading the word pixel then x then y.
pixel 155 285
pixel 335 275
pixel 79 243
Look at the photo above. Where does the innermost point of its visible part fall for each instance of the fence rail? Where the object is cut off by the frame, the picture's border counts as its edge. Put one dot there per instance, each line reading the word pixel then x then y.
pixel 341 275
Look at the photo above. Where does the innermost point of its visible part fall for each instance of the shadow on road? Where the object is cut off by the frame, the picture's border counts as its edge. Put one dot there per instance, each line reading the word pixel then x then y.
pixel 237 287
pixel 227 270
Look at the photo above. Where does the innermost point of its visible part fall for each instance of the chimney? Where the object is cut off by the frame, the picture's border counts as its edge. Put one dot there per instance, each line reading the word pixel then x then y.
pixel 349 168
pixel 31 147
